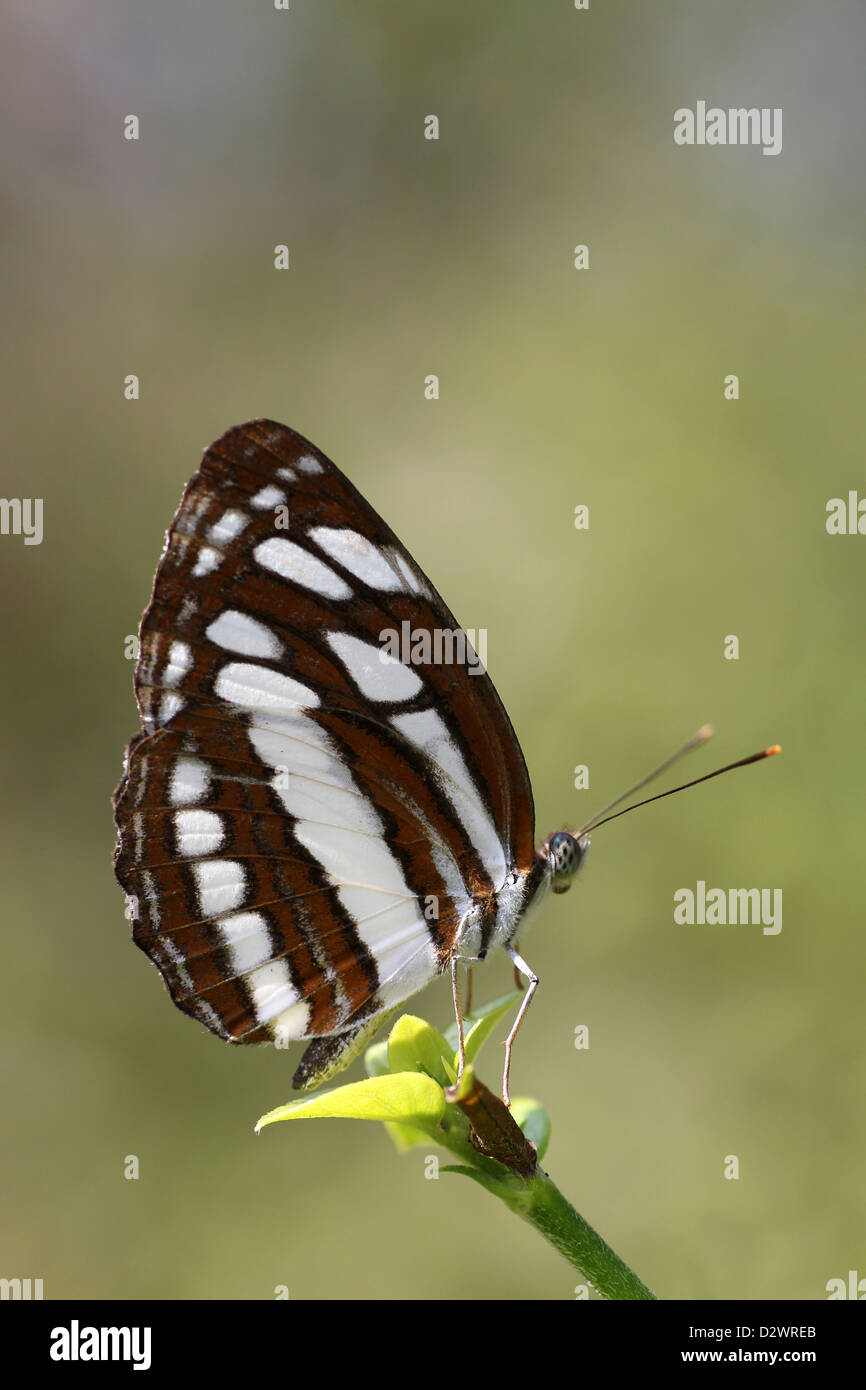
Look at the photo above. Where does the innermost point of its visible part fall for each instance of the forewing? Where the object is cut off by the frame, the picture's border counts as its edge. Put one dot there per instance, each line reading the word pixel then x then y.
pixel 304 821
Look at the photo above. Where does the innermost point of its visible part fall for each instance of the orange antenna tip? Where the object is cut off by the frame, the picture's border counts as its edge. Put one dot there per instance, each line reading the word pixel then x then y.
pixel 776 748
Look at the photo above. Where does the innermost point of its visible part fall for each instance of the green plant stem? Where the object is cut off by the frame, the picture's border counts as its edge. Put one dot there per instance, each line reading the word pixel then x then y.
pixel 539 1201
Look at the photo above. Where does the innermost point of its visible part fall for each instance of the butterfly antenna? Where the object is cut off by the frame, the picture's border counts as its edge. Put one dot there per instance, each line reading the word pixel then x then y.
pixel 704 732
pixel 742 762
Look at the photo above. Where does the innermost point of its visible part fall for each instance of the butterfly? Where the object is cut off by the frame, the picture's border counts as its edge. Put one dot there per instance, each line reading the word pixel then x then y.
pixel 327 806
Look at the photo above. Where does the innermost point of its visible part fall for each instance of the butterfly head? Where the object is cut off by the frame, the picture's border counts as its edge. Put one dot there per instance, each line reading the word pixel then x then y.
pixel 564 853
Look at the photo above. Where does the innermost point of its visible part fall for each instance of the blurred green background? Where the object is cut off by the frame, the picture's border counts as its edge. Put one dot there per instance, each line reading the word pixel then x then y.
pixel 558 387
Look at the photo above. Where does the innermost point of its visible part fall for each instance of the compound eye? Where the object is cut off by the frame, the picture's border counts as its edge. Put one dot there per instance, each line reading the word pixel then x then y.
pixel 563 850
pixel 566 854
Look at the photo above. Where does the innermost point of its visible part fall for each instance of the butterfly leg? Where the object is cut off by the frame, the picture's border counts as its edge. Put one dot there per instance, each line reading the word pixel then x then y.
pixel 458 1014
pixel 519 964
pixel 518 982
pixel 461 1013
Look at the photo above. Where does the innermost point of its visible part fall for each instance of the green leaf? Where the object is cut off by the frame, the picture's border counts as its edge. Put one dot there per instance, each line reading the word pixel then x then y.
pixel 406 1137
pixel 487 1180
pixel 534 1120
pixel 376 1059
pixel 409 1098
pixel 415 1045
pixel 482 1021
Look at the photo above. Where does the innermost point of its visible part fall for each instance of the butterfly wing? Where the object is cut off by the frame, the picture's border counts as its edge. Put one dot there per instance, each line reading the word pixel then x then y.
pixel 305 821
